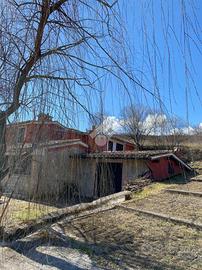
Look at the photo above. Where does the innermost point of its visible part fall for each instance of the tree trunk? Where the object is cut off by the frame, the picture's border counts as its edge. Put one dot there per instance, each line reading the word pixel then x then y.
pixel 2 144
pixel 139 146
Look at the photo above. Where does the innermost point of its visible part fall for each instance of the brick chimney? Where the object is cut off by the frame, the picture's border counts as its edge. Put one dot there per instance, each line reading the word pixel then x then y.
pixel 43 117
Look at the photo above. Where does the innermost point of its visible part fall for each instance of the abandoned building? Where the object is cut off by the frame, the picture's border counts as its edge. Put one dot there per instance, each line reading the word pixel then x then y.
pixel 48 161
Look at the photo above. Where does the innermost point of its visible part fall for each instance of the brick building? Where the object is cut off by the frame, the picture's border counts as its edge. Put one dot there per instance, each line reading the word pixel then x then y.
pixel 45 130
pixel 48 161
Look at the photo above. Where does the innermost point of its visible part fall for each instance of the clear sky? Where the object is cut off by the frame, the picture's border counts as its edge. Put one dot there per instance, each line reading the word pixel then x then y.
pixel 160 48
pixel 163 47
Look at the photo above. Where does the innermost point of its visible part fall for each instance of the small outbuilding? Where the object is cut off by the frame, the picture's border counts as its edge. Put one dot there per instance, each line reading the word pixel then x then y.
pixel 166 165
pixel 64 169
pixel 111 171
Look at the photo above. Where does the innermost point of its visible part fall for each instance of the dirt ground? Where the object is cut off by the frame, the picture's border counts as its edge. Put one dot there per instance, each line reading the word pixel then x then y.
pixel 176 205
pixel 192 186
pixel 111 239
pixel 123 240
pixel 117 238
pixel 197 165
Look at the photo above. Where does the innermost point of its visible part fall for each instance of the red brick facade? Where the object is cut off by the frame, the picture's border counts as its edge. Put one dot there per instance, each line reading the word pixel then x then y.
pixel 46 130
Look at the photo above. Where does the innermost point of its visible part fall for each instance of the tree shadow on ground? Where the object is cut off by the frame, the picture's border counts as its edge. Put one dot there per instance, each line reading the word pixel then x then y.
pixel 130 255
pixel 29 250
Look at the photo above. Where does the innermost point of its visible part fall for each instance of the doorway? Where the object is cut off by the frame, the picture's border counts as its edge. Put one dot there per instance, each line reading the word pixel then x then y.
pixel 108 178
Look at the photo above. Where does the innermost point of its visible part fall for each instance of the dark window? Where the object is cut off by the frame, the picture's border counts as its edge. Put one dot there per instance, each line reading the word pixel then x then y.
pixel 20 135
pixel 110 146
pixel 119 147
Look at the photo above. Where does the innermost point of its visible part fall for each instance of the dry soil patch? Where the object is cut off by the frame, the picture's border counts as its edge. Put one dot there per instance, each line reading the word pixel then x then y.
pixel 192 186
pixel 118 239
pixel 172 204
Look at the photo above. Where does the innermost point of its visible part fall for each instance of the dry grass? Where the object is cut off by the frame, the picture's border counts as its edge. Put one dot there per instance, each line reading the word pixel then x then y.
pixel 152 189
pixel 179 206
pixel 197 166
pixel 124 240
pixel 19 212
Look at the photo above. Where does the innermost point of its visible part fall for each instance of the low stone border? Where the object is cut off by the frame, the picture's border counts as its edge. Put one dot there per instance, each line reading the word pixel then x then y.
pixel 162 216
pixel 185 192
pixel 72 211
pixel 197 178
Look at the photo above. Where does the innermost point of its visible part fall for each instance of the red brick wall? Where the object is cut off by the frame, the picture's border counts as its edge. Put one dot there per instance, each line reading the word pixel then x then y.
pixel 129 147
pixel 42 132
pixel 35 132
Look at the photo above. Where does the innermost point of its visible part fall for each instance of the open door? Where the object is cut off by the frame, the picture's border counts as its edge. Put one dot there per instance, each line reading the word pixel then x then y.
pixel 108 178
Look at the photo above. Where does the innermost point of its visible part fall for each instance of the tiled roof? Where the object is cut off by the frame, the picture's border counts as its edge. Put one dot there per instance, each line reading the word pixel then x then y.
pixel 125 154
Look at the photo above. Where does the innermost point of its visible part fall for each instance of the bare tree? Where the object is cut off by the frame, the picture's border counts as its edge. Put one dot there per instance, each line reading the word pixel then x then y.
pixel 197 130
pixel 135 123
pixel 52 53
pixel 96 120
pixel 172 131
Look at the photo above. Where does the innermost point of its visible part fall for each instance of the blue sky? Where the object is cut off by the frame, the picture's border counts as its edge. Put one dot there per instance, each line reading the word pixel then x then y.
pixel 163 46
pixel 160 47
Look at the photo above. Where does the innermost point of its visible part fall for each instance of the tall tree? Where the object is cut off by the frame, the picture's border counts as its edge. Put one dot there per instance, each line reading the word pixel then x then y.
pixel 52 53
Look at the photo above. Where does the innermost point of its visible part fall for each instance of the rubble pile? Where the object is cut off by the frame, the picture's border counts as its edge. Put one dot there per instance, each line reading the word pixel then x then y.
pixel 137 184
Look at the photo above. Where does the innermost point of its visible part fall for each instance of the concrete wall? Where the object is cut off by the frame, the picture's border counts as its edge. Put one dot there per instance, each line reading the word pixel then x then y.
pixel 84 174
pixel 55 175
pixel 19 185
pixel 132 169
pixel 18 180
